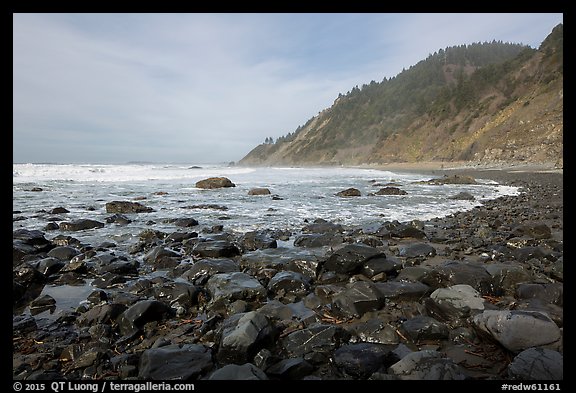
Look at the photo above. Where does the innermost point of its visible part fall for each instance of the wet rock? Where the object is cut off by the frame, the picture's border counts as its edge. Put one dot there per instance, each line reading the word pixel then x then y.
pixel 41 304
pixel 235 372
pixel 506 277
pixel 289 286
pixel 349 192
pixel 402 290
pixel 89 358
pixel 127 207
pixel 445 311
pixel 58 210
pixel 257 240
pixel 108 280
pixel 49 266
pixel 518 330
pixel 174 362
pixel 119 219
pixel 21 250
pixel 373 330
pixel 180 293
pixel 22 324
pixel 227 287
pixel 162 257
pixel 556 313
pixel 523 254
pixel 259 191
pixel 314 240
pixel 362 359
pixel 291 369
pixel 535 230
pixel 537 364
pixel 27 284
pixel 351 258
pixel 64 253
pixel 423 327
pixel 258 261
pixel 322 226
pixel 454 272
pixel 51 226
pixel 208 207
pixel 463 196
pixel 388 266
pixel 203 269
pixel 185 222
pixel 549 292
pixel 75 266
pixel 179 237
pixel 243 335
pixel 31 237
pixel 451 179
pixel 462 297
pixel 414 273
pixel 289 315
pixel 307 265
pixel 128 268
pixel 401 230
pixel 101 314
pixel 359 298
pixel 413 250
pixel 319 339
pixel 134 318
pixel 390 191
pixel 215 249
pixel 426 365
pixel 62 240
pixel 80 225
pixel 215 182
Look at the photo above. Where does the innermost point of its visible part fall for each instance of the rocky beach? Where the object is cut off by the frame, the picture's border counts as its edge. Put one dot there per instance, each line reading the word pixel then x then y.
pixel 475 295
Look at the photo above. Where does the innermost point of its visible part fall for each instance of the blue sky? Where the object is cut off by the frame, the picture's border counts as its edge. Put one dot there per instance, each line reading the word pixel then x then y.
pixel 207 88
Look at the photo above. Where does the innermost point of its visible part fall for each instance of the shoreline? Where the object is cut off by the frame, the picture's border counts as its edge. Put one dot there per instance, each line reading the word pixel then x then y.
pixel 394 290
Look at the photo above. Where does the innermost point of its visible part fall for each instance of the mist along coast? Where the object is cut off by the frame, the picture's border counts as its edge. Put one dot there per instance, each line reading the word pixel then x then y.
pixel 243 276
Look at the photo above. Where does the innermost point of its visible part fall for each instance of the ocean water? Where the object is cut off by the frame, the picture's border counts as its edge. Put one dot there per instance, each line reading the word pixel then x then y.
pixel 301 194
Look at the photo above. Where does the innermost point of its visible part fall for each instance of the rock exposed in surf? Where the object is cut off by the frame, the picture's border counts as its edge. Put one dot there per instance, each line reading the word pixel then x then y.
pixel 349 192
pixel 454 179
pixel 215 182
pixel 259 191
pixel 391 191
pixel 80 225
pixel 127 207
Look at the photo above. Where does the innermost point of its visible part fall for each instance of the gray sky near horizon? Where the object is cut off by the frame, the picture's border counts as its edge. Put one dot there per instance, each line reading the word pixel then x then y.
pixel 207 88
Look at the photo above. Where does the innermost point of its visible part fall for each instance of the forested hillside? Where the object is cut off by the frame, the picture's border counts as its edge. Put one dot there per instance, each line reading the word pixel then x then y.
pixel 490 101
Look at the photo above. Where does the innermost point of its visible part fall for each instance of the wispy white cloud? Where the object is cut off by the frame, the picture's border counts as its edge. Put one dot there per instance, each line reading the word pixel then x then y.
pixel 209 87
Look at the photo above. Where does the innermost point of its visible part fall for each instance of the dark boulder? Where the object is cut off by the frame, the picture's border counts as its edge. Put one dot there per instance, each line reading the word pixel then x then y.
pixel 175 362
pixel 215 182
pixel 127 207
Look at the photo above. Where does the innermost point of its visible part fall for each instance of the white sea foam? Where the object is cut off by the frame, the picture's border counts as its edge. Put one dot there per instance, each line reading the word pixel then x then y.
pixel 305 194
